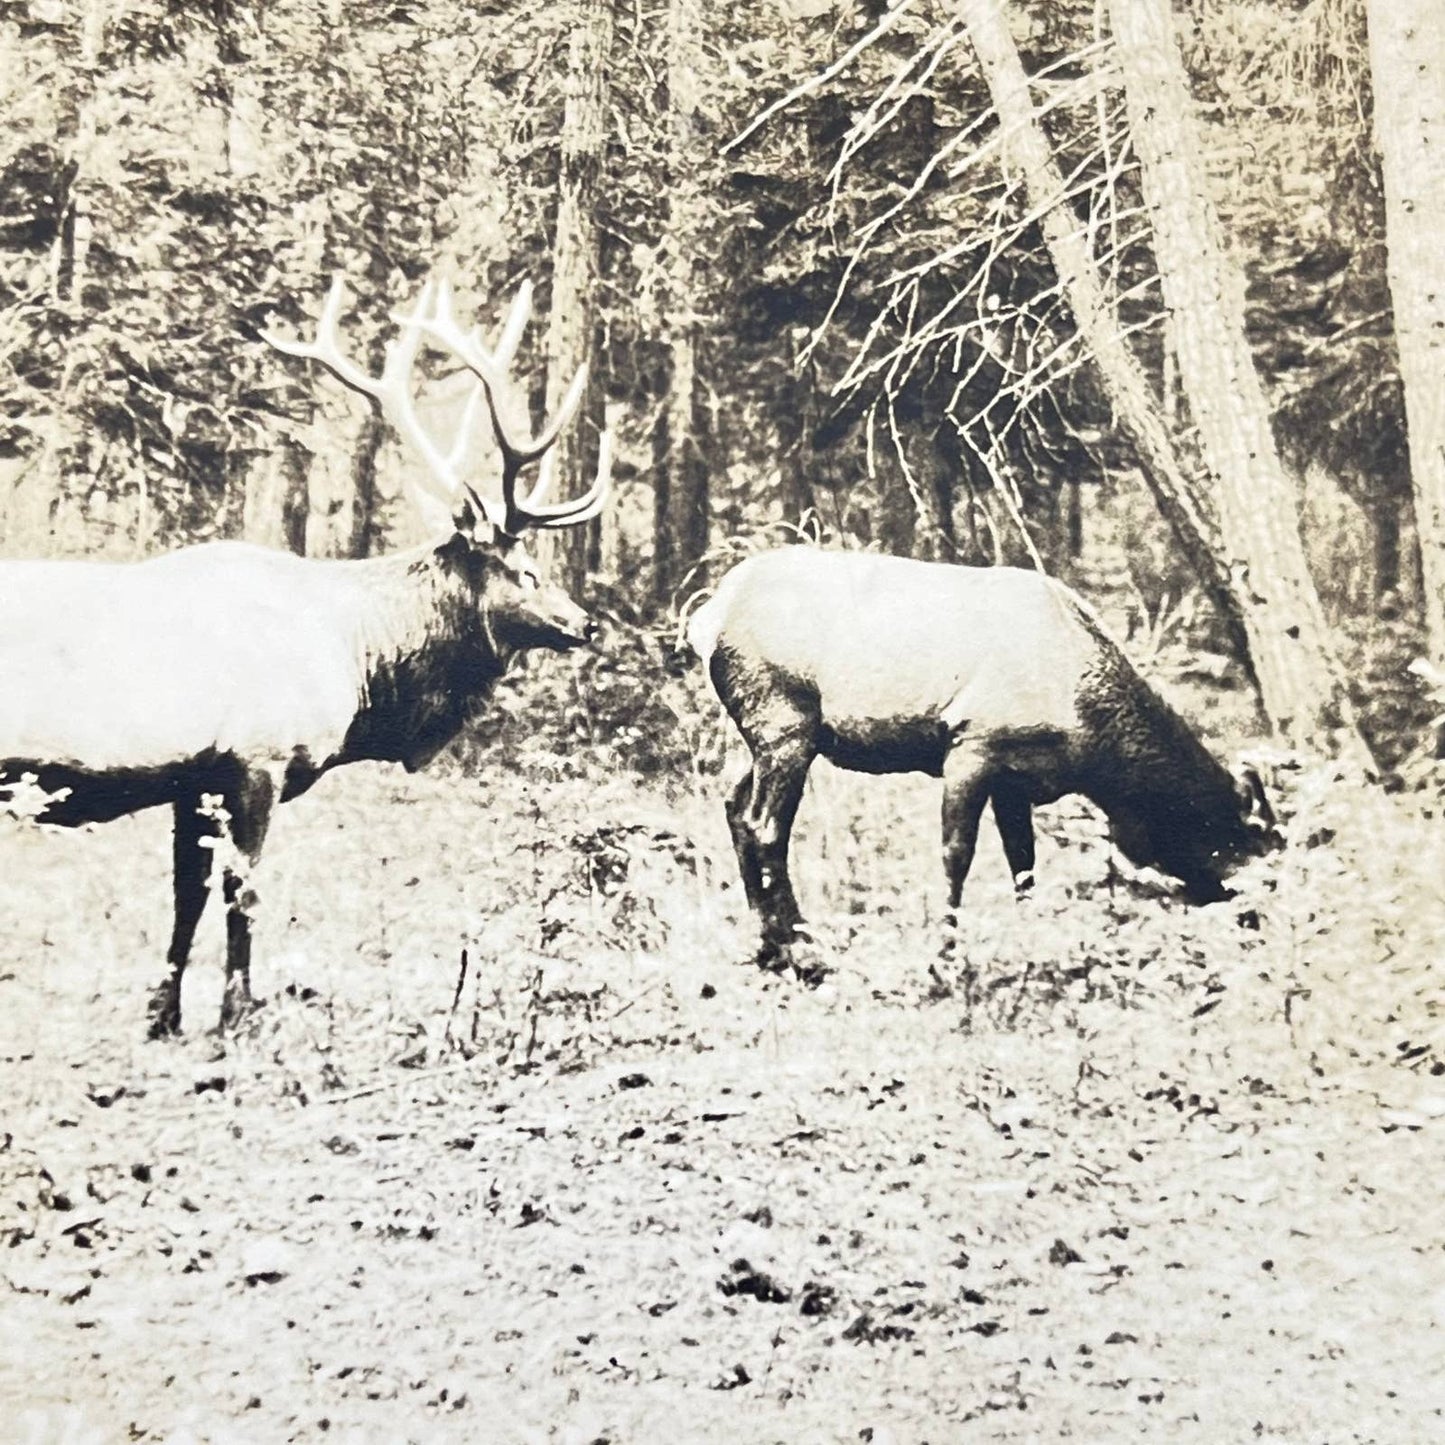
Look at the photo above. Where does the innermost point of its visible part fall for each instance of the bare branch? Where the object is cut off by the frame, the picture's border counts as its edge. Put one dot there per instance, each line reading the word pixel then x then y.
pixel 889 20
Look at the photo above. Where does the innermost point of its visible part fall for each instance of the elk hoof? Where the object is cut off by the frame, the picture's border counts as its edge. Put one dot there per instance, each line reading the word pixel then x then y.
pixel 779 948
pixel 771 957
pixel 810 968
pixel 951 949
pixel 799 956
pixel 237 1008
pixel 164 1013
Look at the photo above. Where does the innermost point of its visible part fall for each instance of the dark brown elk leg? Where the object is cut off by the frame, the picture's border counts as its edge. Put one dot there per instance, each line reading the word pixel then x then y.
pixel 192 868
pixel 966 787
pixel 749 863
pixel 761 813
pixel 249 803
pixel 1014 815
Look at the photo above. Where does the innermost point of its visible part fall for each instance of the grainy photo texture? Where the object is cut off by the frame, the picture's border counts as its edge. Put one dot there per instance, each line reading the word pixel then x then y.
pixel 722 723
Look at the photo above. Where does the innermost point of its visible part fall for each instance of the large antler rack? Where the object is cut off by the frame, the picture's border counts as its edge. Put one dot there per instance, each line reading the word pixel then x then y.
pixel 519 452
pixel 432 319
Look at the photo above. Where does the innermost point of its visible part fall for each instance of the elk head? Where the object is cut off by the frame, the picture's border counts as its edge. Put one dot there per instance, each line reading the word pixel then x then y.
pixel 516 606
pixel 1200 838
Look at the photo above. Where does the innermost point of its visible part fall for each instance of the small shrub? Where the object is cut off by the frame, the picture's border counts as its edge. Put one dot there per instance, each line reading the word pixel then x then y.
pixel 636 703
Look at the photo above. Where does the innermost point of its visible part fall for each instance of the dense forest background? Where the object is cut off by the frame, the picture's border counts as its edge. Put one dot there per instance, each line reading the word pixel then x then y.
pixel 813 271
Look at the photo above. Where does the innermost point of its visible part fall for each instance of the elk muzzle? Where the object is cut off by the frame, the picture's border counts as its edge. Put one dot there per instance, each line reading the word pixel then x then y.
pixel 548 617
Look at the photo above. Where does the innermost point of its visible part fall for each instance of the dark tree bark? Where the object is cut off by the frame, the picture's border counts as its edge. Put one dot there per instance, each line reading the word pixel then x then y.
pixel 1407 58
pixel 1248 555
pixel 798 459
pixel 572 337
pixel 681 476
pixel 364 529
pixel 1301 683
pixel 1175 492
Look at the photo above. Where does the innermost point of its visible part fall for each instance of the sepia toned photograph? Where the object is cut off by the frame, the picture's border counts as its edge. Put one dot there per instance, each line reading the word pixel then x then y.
pixel 722 724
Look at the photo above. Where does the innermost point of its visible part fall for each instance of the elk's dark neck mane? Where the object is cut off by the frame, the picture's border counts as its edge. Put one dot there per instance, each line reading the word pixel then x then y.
pixel 1149 767
pixel 1144 754
pixel 426 660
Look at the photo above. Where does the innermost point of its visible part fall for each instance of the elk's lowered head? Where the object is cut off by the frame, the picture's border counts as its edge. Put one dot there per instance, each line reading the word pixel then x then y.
pixel 1171 805
pixel 1204 835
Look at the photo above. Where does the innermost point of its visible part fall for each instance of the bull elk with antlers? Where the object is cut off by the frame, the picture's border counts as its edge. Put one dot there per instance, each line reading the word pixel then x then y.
pixel 244 674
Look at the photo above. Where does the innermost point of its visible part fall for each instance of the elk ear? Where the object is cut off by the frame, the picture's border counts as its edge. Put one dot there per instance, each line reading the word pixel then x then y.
pixel 1253 799
pixel 472 518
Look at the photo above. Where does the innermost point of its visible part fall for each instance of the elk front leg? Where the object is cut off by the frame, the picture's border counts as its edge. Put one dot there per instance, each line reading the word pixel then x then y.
pixel 965 791
pixel 1014 815
pixel 249 802
pixel 761 813
pixel 191 855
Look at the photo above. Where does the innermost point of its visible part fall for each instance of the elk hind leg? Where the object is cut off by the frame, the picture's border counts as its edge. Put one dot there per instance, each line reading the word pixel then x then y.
pixel 249 802
pixel 749 861
pixel 761 814
pixel 191 854
pixel 966 787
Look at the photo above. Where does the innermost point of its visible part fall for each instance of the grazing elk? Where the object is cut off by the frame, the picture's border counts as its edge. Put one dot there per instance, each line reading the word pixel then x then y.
pixel 999 681
pixel 245 674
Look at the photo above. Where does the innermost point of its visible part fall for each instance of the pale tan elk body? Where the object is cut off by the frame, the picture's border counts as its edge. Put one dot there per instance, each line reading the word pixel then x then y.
pixel 999 681
pixel 234 671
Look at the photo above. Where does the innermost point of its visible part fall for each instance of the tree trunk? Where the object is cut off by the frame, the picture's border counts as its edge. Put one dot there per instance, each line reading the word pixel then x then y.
pixel 681 509
pixel 274 493
pixel 798 462
pixel 1026 148
pixel 71 260
pixel 892 521
pixel 365 530
pixel 273 511
pixel 1300 680
pixel 1407 59
pixel 328 490
pixel 1243 541
pixel 40 494
pixel 359 504
pixel 1385 549
pixel 572 337
pixel 1071 526
pixel 680 516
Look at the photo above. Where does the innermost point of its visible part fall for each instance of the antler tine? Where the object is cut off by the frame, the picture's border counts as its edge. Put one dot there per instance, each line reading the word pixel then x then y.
pixel 326 348
pixel 567 409
pixel 469 345
pixel 456 459
pixel 518 314
pixel 444 479
pixel 490 368
pixel 583 508
pixel 392 390
pixel 529 512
